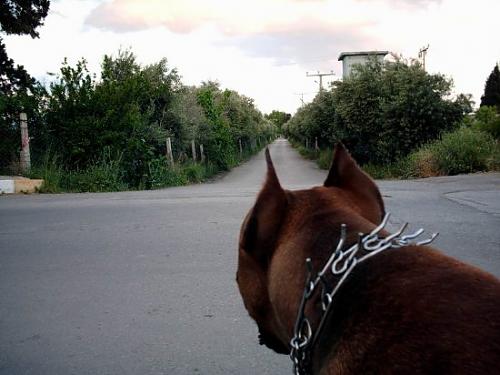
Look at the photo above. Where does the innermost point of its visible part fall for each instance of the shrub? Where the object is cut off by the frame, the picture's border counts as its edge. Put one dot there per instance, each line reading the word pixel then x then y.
pixel 194 172
pixel 210 170
pixel 95 178
pixel 421 163
pixel 487 119
pixel 493 161
pixel 462 151
pixel 398 169
pixel 161 174
pixel 307 152
pixel 104 175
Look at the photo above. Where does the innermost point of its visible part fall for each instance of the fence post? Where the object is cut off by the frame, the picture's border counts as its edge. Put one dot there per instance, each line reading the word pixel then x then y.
pixel 193 149
pixel 170 156
pixel 24 157
pixel 202 154
pixel 316 144
pixel 241 147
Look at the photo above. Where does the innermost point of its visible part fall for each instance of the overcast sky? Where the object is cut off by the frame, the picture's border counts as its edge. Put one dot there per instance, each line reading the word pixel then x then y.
pixel 263 48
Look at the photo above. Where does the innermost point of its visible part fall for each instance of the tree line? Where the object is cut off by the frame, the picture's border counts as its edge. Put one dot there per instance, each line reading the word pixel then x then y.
pixel 130 111
pixel 382 112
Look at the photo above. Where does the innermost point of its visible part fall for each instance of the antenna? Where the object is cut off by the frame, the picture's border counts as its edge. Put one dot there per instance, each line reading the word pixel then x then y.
pixel 422 54
pixel 301 94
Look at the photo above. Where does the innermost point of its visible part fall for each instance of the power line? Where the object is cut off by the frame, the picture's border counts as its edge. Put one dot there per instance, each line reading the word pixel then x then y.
pixel 320 75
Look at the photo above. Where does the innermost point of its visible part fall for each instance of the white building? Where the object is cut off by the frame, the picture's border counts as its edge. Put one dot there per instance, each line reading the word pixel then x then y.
pixel 350 58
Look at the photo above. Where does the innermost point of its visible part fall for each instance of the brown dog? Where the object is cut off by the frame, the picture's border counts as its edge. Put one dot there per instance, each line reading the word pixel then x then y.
pixel 411 310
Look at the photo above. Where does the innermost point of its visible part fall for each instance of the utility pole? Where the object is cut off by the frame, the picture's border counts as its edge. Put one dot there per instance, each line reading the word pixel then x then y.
pixel 320 75
pixel 422 54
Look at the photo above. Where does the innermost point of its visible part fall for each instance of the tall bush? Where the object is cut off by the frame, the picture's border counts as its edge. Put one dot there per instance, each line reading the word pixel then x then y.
pixel 387 110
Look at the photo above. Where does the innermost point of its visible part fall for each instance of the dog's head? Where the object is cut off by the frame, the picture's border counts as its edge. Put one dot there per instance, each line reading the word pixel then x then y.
pixel 284 227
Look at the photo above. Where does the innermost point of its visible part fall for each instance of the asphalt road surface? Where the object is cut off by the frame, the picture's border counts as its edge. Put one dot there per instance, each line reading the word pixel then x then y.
pixel 143 282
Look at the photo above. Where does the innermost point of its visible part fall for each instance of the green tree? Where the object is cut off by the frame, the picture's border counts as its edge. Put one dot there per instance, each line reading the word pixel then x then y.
pixel 190 115
pixel 315 120
pixel 136 111
pixel 487 119
pixel 278 118
pixel 18 17
pixel 221 149
pixel 129 112
pixel 491 95
pixel 19 92
pixel 71 118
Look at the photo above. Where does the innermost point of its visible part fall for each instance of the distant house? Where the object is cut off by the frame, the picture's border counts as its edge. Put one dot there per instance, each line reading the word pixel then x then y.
pixel 350 58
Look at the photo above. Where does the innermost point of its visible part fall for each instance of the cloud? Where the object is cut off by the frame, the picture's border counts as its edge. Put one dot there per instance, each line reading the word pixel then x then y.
pixel 228 16
pixel 287 31
pixel 108 17
pixel 237 17
pixel 414 2
pixel 313 46
pixel 133 15
pixel 402 4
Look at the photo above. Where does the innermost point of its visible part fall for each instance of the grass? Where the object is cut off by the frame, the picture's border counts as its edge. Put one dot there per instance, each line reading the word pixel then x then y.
pixel 325 158
pixel 308 153
pixel 50 171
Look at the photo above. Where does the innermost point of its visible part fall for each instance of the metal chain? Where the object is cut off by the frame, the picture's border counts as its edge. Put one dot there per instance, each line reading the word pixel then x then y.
pixel 340 264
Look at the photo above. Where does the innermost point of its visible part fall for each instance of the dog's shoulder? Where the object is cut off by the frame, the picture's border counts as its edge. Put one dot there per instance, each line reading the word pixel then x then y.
pixel 416 308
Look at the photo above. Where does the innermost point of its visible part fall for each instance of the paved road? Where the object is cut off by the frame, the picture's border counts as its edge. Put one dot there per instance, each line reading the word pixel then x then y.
pixel 143 282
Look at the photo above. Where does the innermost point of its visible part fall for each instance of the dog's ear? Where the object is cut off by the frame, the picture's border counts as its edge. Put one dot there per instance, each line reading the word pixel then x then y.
pixel 346 174
pixel 261 226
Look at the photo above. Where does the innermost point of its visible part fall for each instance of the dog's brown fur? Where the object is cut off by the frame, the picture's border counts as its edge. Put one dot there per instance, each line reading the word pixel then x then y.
pixel 411 310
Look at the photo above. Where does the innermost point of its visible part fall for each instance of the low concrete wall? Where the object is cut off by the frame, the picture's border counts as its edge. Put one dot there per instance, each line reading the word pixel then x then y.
pixel 7 187
pixel 16 185
pixel 27 186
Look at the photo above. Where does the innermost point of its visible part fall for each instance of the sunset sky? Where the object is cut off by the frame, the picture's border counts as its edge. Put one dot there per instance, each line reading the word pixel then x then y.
pixel 263 48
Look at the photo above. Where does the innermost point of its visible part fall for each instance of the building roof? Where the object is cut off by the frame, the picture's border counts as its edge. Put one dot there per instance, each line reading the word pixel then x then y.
pixel 363 53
